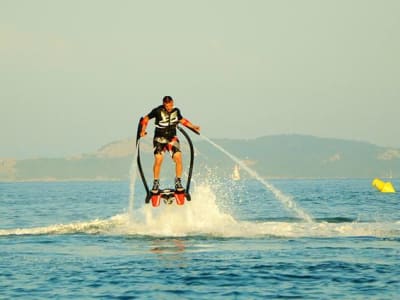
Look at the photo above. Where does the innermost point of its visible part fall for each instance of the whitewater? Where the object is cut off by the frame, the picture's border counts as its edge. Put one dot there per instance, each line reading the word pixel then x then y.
pixel 203 217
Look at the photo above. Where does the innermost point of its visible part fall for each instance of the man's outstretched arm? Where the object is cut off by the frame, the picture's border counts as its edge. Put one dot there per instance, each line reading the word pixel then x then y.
pixel 188 124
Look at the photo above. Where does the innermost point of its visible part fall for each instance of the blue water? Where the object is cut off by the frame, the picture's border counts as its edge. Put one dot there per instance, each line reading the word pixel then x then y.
pixel 234 240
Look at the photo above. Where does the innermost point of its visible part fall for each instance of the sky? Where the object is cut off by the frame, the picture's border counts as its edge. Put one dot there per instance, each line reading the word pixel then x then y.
pixel 78 74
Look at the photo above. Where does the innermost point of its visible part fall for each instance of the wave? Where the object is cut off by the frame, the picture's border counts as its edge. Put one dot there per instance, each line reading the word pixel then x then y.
pixel 296 220
pixel 92 227
pixel 122 225
pixel 202 217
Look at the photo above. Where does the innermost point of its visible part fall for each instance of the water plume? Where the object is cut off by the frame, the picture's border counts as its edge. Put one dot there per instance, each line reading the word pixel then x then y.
pixel 132 181
pixel 286 200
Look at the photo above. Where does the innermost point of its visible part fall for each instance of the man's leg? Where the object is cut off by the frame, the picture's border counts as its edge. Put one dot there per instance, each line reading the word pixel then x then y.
pixel 158 159
pixel 178 171
pixel 178 164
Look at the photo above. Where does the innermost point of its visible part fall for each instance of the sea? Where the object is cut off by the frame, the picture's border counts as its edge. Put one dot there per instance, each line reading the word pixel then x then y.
pixel 243 239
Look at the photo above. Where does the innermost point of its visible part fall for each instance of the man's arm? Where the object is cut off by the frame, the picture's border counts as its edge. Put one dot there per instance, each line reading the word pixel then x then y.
pixel 188 124
pixel 144 123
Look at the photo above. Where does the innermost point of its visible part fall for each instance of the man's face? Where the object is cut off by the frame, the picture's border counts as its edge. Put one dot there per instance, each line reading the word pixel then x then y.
pixel 169 106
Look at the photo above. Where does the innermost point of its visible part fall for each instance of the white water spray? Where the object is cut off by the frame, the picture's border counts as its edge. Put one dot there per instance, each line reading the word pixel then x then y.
pixel 132 181
pixel 286 200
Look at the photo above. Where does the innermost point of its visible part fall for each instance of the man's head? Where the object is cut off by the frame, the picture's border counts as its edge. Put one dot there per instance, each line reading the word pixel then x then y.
pixel 168 103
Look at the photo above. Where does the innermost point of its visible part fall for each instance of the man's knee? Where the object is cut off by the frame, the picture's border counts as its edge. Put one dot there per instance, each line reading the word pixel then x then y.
pixel 177 157
pixel 158 158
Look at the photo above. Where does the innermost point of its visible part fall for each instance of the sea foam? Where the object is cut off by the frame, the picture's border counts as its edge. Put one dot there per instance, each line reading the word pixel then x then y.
pixel 203 217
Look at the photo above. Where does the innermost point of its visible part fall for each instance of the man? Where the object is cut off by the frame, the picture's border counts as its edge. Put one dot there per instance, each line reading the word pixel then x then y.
pixel 167 117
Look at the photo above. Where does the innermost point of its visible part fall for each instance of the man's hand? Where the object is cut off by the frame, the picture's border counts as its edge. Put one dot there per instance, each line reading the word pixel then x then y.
pixel 143 133
pixel 196 128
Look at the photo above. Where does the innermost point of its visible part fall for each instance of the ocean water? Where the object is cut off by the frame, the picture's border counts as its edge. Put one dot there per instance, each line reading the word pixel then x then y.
pixel 234 240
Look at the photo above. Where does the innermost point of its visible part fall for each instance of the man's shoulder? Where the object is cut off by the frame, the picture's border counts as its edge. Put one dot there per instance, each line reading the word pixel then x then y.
pixel 177 109
pixel 157 109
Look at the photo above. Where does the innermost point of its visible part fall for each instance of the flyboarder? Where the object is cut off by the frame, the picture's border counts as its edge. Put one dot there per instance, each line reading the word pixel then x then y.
pixel 167 117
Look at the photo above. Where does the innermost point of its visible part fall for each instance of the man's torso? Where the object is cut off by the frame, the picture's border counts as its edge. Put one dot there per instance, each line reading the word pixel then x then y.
pixel 165 122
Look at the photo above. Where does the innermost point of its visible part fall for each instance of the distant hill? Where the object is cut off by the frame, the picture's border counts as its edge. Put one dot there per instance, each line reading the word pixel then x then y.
pixel 308 156
pixel 280 156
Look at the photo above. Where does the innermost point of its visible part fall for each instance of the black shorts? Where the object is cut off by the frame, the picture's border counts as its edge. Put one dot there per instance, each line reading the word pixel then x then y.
pixel 162 144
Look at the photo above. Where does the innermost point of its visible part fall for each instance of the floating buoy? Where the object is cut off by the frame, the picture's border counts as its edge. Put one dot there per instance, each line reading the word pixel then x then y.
pixel 384 187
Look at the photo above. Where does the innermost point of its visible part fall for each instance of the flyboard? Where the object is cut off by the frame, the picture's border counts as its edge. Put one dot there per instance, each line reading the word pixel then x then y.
pixel 168 195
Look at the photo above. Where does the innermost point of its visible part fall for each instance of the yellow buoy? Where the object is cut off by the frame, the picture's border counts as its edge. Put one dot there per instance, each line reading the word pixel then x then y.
pixel 384 187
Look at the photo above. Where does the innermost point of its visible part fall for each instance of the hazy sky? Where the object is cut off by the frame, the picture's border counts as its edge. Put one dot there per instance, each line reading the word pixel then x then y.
pixel 77 74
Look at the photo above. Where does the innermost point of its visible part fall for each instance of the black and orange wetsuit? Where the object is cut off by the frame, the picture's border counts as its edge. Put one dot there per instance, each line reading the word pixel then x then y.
pixel 165 132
